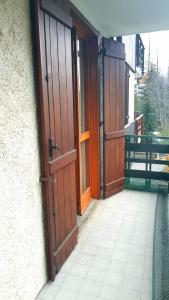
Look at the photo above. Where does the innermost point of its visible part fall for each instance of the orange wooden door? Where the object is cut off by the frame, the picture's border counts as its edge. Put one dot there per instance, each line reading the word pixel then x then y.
pixel 114 116
pixel 54 53
pixel 84 133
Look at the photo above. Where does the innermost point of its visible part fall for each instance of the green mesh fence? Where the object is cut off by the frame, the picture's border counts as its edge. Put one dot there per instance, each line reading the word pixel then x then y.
pixel 147 185
pixel 160 272
pixel 161 248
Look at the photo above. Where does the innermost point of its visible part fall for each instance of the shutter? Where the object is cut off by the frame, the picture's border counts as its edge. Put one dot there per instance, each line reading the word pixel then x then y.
pixel 57 132
pixel 114 116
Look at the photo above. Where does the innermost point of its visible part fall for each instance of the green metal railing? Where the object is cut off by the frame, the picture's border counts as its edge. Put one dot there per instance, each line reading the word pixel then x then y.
pixel 146 157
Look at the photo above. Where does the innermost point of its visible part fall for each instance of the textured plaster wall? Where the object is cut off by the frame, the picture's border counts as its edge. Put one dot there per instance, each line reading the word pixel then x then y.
pixel 22 254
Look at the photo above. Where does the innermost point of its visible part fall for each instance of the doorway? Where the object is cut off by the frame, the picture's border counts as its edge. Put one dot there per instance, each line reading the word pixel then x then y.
pixel 87 114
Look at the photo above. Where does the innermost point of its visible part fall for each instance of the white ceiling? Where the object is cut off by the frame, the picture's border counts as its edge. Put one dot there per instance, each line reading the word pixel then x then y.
pixel 123 17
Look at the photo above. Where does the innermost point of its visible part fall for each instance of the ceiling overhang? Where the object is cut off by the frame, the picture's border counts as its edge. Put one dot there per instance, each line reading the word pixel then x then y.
pixel 120 17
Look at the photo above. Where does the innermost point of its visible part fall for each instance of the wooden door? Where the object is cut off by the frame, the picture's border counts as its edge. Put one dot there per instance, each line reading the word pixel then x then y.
pixel 87 112
pixel 56 111
pixel 114 107
pixel 84 132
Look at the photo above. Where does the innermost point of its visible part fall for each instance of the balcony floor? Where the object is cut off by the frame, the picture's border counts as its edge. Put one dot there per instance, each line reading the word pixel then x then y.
pixel 113 259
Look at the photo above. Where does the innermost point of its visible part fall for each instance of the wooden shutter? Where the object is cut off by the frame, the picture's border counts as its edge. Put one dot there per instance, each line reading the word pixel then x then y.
pixel 114 116
pixel 57 132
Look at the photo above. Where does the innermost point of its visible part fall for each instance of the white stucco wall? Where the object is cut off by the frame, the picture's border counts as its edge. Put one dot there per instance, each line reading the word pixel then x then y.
pixel 22 254
pixel 130 49
pixel 131 96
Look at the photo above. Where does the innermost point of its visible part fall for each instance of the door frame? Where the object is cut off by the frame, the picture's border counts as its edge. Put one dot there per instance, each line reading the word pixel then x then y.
pixel 84 29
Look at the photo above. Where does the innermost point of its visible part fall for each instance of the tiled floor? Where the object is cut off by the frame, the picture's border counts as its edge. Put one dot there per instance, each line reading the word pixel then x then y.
pixel 113 259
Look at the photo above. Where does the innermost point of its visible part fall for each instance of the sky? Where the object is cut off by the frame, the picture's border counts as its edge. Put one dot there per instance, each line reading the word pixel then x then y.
pixel 159 44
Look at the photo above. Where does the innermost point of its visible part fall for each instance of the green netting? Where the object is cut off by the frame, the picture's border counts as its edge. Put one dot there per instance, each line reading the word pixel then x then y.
pixel 147 185
pixel 160 272
pixel 161 248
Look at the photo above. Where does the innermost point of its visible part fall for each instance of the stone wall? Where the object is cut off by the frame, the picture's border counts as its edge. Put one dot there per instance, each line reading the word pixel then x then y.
pixel 22 253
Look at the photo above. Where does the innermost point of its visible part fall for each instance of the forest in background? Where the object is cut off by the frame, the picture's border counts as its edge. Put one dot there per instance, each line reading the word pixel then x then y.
pixel 154 102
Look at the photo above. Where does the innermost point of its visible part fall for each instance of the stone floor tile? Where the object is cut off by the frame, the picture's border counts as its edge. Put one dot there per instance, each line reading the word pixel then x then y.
pixel 120 255
pixel 90 287
pixel 109 292
pixel 126 294
pixel 72 282
pixel 65 294
pixel 84 259
pixel 89 249
pixel 122 246
pixel 146 296
pixel 49 292
pixel 60 278
pixel 136 259
pixel 132 283
pixel 135 270
pixel 100 263
pixel 79 270
pixel 104 252
pixel 114 279
pixel 96 274
pixel 117 266
pixel 82 296
pixel 146 286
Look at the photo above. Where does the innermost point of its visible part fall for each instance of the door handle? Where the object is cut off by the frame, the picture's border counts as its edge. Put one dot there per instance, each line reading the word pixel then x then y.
pixel 56 146
pixel 52 146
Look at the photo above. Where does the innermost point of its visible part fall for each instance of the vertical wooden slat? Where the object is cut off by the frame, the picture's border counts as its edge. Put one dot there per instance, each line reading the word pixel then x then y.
pixel 49 76
pixel 55 78
pixel 69 88
pixel 63 87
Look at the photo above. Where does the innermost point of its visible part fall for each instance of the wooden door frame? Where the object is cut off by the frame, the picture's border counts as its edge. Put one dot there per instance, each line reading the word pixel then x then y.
pixel 85 32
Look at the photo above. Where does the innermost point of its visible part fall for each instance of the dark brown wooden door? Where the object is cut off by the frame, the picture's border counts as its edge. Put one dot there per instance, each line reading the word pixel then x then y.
pixel 114 107
pixel 57 132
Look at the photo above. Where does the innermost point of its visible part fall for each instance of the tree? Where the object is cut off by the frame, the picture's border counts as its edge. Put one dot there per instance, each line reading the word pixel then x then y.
pixel 149 112
pixel 152 103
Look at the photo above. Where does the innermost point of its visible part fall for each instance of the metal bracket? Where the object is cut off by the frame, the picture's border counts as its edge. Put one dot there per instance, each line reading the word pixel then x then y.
pixel 102 51
pixel 43 179
pixel 48 77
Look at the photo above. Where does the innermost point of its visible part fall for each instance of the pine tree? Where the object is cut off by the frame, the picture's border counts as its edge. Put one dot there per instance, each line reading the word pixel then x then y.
pixel 154 104
pixel 149 103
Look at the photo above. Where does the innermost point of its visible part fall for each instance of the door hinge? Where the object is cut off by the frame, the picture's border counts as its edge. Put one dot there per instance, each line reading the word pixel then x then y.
pixel 102 51
pixel 48 77
pixel 46 179
pixel 43 179
pixel 101 123
pixel 102 188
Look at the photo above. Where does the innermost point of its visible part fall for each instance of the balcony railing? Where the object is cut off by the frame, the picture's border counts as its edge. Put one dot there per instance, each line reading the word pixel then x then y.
pixel 147 157
pixel 139 53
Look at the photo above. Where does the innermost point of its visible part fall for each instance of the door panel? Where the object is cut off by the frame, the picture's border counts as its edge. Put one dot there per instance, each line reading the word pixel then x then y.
pixel 57 136
pixel 114 103
pixel 84 123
